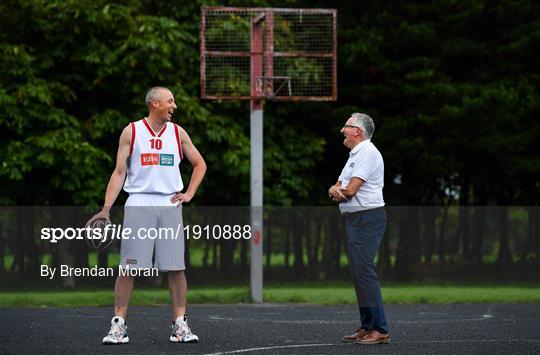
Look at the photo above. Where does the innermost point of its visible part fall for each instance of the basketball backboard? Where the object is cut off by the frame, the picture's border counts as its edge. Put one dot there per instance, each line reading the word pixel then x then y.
pixel 268 53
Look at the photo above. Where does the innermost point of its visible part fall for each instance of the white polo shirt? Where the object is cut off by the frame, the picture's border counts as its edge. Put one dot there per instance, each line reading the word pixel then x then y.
pixel 365 162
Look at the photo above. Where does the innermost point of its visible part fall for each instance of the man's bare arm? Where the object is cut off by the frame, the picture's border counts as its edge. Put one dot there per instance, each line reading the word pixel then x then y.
pixel 199 169
pixel 116 182
pixel 352 188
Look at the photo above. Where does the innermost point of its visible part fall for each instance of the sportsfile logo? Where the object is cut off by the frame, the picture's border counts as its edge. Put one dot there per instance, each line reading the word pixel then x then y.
pixel 156 159
pixel 117 232
pixel 111 231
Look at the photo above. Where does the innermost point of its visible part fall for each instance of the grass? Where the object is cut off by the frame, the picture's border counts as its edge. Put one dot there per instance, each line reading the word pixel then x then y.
pixel 413 294
pixel 315 294
pixel 106 297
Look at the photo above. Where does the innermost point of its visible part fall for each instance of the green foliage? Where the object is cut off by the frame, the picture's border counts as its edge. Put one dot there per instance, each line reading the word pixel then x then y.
pixel 453 85
pixel 289 153
pixel 228 79
pixel 77 74
pixel 228 32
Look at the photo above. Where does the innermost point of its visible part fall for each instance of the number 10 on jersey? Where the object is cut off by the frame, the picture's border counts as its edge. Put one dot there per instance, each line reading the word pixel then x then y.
pixel 156 144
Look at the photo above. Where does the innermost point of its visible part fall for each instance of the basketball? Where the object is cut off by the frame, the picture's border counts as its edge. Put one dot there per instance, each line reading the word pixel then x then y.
pixel 96 236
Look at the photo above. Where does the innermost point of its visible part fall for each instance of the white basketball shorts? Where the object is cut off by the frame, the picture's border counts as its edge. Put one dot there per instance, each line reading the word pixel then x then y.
pixel 156 230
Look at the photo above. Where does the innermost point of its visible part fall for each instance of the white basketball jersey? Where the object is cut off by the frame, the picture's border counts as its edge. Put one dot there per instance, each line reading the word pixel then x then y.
pixel 154 159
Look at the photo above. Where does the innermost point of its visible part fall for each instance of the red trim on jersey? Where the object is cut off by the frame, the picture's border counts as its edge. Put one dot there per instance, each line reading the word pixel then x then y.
pixel 179 142
pixel 132 139
pixel 162 131
pixel 148 127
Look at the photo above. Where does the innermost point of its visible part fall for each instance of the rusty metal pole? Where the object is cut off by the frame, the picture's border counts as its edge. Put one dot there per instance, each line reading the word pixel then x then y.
pixel 256 161
pixel 269 54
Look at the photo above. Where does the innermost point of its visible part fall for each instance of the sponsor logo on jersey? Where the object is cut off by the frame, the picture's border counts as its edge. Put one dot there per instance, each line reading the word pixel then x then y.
pixel 166 159
pixel 156 159
pixel 149 159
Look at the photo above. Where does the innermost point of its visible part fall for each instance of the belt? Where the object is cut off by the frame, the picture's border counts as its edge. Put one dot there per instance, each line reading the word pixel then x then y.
pixel 349 214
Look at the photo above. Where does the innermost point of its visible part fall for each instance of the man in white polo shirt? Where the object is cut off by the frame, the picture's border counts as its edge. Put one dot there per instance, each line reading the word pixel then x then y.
pixel 359 194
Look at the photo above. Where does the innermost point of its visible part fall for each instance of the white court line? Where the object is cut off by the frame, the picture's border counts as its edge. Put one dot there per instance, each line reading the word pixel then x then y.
pixel 278 321
pixel 483 317
pixel 463 341
pixel 270 348
pixel 220 318
pixel 489 311
pixel 391 343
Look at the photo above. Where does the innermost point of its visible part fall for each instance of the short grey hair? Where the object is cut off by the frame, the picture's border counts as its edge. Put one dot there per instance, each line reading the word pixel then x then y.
pixel 153 93
pixel 365 122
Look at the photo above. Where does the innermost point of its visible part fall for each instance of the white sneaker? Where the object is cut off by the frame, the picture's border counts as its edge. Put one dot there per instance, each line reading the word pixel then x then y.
pixel 118 333
pixel 181 332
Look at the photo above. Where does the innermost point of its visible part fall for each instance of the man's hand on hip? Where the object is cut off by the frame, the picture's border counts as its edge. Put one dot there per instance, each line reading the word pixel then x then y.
pixel 181 198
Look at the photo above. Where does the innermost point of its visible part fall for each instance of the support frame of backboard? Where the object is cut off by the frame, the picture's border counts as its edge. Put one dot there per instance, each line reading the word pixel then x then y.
pixel 260 51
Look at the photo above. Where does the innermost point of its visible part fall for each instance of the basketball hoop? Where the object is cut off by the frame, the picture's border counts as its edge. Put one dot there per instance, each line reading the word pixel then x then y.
pixel 274 86
pixel 266 53
pixel 245 52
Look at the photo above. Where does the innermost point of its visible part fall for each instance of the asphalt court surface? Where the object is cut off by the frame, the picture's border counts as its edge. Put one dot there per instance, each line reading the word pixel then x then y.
pixel 276 329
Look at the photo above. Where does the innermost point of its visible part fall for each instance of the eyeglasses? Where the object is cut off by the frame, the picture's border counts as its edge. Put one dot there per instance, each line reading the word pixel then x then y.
pixel 358 127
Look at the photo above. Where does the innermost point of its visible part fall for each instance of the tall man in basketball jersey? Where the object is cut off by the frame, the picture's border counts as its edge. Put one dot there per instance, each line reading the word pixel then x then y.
pixel 149 154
